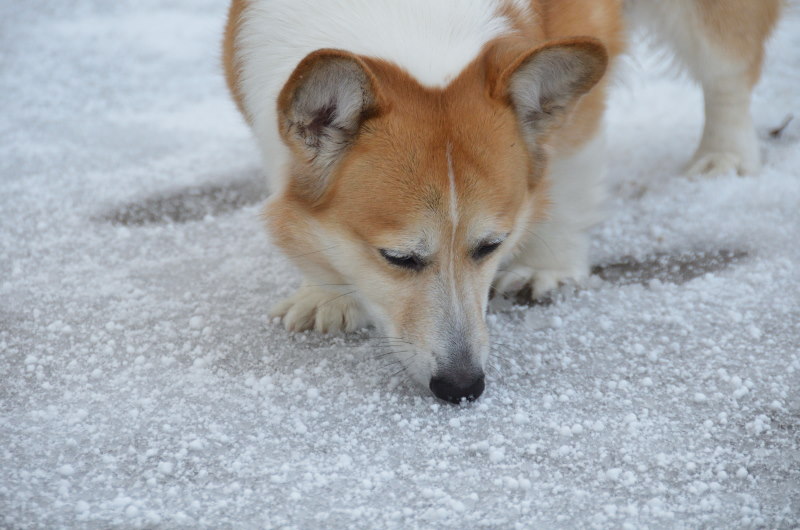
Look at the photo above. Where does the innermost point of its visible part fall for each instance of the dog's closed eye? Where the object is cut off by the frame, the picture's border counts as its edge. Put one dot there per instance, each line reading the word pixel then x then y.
pixel 485 248
pixel 406 261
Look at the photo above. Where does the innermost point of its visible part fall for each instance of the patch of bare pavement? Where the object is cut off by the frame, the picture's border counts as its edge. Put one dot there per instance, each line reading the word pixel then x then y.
pixel 189 204
pixel 668 268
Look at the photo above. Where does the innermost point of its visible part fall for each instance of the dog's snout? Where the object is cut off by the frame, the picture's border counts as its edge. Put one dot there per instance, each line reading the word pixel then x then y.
pixel 457 388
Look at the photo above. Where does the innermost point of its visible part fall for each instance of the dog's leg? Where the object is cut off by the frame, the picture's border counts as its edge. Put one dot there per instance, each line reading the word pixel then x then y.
pixel 721 42
pixel 727 62
pixel 324 309
pixel 555 250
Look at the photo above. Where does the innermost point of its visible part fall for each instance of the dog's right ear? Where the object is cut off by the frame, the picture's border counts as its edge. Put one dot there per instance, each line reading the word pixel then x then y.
pixel 544 83
pixel 320 111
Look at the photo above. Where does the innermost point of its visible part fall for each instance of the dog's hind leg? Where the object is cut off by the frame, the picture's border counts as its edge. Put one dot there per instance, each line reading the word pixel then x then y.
pixel 721 43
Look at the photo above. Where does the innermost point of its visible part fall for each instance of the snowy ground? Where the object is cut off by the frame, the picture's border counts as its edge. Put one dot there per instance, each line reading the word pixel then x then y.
pixel 141 384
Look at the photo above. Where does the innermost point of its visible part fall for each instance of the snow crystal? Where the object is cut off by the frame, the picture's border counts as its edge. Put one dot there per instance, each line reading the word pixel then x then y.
pixel 496 454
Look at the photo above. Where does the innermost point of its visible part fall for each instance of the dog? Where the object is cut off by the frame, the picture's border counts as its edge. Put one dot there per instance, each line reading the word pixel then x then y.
pixel 421 153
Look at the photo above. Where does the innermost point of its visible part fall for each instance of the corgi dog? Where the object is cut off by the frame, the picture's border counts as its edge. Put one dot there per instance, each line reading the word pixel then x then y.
pixel 421 153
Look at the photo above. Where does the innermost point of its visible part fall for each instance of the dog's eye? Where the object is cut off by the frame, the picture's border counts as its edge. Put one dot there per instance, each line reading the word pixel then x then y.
pixel 406 261
pixel 485 249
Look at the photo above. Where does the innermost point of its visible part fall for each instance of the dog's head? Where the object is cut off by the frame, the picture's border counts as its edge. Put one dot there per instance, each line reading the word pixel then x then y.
pixel 414 195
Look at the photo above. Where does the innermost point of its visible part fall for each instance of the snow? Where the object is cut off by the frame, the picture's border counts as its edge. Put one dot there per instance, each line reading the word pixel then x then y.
pixel 143 385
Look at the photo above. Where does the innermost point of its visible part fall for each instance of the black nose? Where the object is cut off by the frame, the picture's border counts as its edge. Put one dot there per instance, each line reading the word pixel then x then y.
pixel 454 390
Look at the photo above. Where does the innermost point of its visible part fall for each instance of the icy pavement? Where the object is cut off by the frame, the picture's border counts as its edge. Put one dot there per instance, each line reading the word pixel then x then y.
pixel 141 384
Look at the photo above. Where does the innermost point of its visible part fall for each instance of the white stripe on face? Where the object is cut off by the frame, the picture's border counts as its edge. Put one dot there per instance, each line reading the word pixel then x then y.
pixel 462 326
pixel 457 310
pixel 453 198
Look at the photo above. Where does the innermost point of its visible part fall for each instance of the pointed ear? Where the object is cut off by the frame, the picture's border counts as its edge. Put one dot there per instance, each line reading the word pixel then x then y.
pixel 544 83
pixel 320 111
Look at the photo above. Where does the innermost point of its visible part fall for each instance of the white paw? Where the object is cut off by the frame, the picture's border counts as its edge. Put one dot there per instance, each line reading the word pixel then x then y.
pixel 721 163
pixel 323 310
pixel 541 281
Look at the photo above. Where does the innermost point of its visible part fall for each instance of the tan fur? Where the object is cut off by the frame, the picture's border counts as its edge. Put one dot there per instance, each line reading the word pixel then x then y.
pixel 739 28
pixel 229 60
pixel 603 21
pixel 559 19
pixel 378 188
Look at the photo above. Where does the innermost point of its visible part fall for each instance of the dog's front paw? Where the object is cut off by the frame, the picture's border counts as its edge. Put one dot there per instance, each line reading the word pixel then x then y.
pixel 721 163
pixel 538 283
pixel 323 310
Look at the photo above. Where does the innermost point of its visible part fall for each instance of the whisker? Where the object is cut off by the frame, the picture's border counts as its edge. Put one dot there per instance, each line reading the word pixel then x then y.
pixel 512 272
pixel 540 238
pixel 403 361
pixel 384 354
pixel 397 345
pixel 491 367
pixel 505 363
pixel 312 252
pixel 403 369
pixel 393 341
pixel 389 348
pixel 387 365
pixel 391 338
pixel 334 298
pixel 495 343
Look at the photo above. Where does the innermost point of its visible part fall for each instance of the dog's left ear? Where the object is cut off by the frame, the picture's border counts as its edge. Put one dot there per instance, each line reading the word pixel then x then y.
pixel 320 110
pixel 543 83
